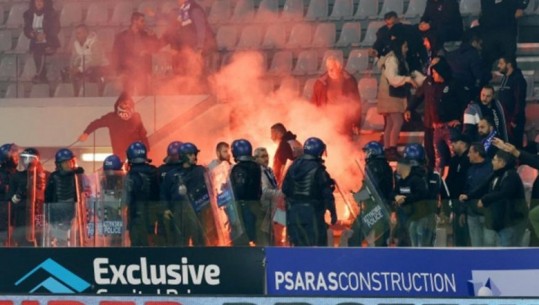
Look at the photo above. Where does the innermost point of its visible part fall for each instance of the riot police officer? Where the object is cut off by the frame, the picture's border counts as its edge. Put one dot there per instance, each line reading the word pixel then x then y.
pixel 26 188
pixel 9 159
pixel 141 191
pixel 379 168
pixel 64 199
pixel 111 211
pixel 171 161
pixel 246 180
pixel 309 193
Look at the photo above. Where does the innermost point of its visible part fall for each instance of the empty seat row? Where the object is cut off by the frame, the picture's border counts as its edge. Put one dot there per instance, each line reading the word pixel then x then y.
pixel 20 90
pixel 302 35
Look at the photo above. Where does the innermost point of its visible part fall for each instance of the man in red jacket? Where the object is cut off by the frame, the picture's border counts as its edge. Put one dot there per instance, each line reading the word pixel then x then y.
pixel 124 124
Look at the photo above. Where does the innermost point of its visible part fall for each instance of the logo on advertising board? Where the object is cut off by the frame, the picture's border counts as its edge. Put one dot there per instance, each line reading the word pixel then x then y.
pixel 501 283
pixel 138 271
pixel 59 279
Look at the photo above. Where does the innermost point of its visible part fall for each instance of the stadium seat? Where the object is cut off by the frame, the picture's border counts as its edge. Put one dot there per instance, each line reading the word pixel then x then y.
pixel 530 9
pixel 14 18
pixel 106 37
pixel 71 14
pixel 11 91
pixel 529 76
pixel 292 10
pixel 220 11
pixel 97 14
pixel 368 89
pixel 367 9
pixel 317 10
pixel 307 63
pixel 64 90
pixel 370 35
pixel 324 35
pixel 170 5
pixel 23 44
pixel 342 9
pixel 40 90
pixel 8 68
pixel 244 11
pixel 470 7
pixel 268 11
pixel 2 13
pixel 289 86
pixel 300 36
pixel 308 88
pixel 275 36
pixel 149 9
pixel 5 40
pixel 415 8
pixel 250 38
pixel 396 6
pixel 336 53
pixel 358 61
pixel 227 37
pixel 28 69
pixel 350 35
pixel 281 63
pixel 121 13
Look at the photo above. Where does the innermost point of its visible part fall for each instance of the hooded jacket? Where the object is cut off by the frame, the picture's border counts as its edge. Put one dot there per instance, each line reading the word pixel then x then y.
pixel 512 95
pixel 89 54
pixel 122 132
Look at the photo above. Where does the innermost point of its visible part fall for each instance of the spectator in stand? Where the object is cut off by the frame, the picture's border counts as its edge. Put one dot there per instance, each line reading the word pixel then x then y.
pixel 337 87
pixel 132 55
pixel 486 131
pixel 393 92
pixel 526 158
pixel 467 64
pixel 442 18
pixel 503 203
pixel 445 100
pixel 456 184
pixel 41 26
pixel 393 29
pixel 288 149
pixel 486 106
pixel 498 25
pixel 478 174
pixel 88 59
pixel 512 95
pixel 124 124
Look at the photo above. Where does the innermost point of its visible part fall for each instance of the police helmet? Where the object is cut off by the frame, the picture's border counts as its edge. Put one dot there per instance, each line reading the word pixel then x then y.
pixel 174 148
pixel 314 147
pixel 112 163
pixel 62 155
pixel 415 153
pixel 241 148
pixel 137 153
pixel 6 151
pixel 373 149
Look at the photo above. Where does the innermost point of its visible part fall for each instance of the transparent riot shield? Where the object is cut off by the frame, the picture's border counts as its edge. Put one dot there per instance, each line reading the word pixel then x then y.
pixel 65 222
pixel 372 223
pixel 223 205
pixel 107 224
pixel 35 194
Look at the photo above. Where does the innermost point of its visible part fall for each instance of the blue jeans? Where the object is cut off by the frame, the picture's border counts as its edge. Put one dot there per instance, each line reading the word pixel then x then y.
pixel 422 231
pixel 503 238
pixel 442 145
pixel 476 226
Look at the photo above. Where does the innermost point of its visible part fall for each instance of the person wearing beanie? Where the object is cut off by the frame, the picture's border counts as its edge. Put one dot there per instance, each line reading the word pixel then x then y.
pixel 445 99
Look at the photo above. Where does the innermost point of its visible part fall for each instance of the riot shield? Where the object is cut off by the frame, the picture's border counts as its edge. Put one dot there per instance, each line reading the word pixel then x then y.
pixel 35 195
pixel 372 222
pixel 223 205
pixel 107 224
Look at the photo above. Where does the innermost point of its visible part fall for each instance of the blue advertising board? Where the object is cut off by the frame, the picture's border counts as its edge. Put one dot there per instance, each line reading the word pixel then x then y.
pixel 402 272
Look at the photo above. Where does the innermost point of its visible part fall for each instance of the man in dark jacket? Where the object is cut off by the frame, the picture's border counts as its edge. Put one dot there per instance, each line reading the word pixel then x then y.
pixel 339 88
pixel 124 124
pixel 308 188
pixel 9 158
pixel 132 54
pixel 445 99
pixel 288 149
pixel 478 173
pixel 456 183
pixel 246 180
pixel 487 106
pixel 443 19
pixel 512 95
pixel 504 204
pixel 498 25
pixel 467 64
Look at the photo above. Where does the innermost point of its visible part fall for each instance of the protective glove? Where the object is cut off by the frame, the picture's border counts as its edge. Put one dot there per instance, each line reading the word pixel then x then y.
pixel 15 199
